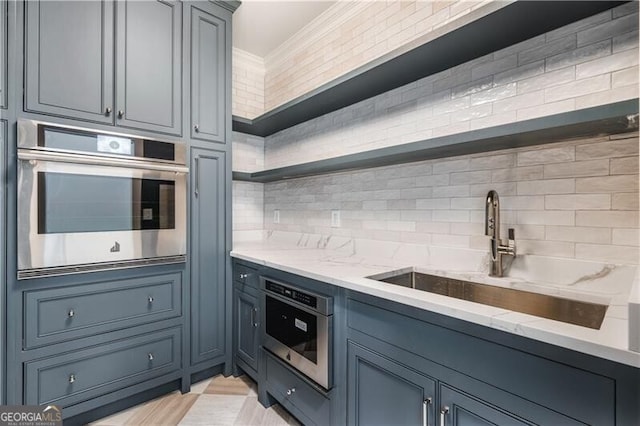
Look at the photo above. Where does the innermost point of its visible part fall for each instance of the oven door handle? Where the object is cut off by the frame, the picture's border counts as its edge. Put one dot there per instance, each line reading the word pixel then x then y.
pixel 63 157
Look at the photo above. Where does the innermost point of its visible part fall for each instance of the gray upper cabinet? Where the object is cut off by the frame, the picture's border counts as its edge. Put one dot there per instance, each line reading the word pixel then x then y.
pixel 69 59
pixel 70 68
pixel 3 53
pixel 149 64
pixel 208 254
pixel 208 76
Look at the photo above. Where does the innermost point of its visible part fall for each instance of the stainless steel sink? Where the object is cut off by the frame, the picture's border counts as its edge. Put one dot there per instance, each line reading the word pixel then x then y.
pixel 585 314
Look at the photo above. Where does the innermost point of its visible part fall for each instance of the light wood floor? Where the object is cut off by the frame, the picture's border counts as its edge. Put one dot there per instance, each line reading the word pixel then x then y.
pixel 214 402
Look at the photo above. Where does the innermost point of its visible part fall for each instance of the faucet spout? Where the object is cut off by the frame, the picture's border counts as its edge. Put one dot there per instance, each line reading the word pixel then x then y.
pixel 492 230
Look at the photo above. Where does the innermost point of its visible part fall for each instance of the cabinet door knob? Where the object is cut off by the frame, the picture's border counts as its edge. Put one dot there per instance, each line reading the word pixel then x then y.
pixel 71 313
pixel 72 378
pixel 254 316
pixel 150 299
pixel 150 356
pixel 120 113
pixel 196 128
pixel 243 276
pixel 291 391
pixel 443 412
pixel 107 111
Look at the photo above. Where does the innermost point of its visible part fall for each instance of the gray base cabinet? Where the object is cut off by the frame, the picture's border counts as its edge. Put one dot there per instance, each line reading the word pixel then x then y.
pixel 208 254
pixel 384 392
pixel 246 319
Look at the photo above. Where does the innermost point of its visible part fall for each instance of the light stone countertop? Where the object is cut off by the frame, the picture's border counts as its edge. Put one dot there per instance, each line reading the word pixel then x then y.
pixel 346 262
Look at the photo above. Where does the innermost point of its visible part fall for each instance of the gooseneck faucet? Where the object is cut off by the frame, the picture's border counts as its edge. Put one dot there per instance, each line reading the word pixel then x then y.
pixel 492 229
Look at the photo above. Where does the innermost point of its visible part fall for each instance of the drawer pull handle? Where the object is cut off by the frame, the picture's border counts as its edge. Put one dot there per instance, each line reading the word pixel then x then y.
pixel 71 313
pixel 443 412
pixel 72 378
pixel 254 316
pixel 291 391
pixel 150 356
pixel 150 299
pixel 425 411
pixel 243 276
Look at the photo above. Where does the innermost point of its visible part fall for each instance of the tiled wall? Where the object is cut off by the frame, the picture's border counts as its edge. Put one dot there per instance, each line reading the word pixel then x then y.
pixel 248 84
pixel 588 63
pixel 351 34
pixel 248 197
pixel 573 199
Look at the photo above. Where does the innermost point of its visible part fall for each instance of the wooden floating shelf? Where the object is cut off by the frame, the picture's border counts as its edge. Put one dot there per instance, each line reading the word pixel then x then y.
pixel 501 28
pixel 620 117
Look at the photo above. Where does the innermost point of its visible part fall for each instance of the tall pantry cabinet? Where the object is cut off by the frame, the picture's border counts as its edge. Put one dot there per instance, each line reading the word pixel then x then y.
pixel 159 69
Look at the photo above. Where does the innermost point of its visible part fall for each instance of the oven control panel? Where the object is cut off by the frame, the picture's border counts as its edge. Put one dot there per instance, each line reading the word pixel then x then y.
pixel 293 294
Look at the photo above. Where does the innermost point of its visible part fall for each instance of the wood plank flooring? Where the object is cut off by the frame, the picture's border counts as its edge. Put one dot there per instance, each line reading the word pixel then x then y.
pixel 219 401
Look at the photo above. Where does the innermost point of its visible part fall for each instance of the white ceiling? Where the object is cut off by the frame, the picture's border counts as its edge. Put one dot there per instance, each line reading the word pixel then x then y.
pixel 259 26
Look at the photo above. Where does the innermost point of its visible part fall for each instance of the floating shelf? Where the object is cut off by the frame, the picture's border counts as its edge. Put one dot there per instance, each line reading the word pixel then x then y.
pixel 609 119
pixel 504 27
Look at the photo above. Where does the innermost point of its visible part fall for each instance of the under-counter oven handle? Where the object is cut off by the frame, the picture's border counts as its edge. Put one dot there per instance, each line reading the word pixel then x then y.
pixel 63 157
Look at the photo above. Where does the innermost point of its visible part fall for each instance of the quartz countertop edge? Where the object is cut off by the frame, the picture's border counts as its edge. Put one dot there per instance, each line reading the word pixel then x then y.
pixel 609 342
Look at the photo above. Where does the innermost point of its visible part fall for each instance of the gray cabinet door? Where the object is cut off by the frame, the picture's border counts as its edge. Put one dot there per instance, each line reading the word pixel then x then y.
pixel 247 328
pixel 207 254
pixel 459 409
pixel 69 59
pixel 208 77
pixel 149 64
pixel 3 53
pixel 383 392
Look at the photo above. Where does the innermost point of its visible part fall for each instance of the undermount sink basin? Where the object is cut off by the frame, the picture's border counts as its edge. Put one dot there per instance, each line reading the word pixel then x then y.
pixel 576 312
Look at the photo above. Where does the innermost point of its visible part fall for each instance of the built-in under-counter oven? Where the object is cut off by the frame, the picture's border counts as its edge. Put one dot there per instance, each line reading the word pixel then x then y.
pixel 298 328
pixel 91 200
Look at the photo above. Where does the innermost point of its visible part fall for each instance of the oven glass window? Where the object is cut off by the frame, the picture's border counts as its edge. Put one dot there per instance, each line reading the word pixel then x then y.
pixel 70 203
pixel 293 327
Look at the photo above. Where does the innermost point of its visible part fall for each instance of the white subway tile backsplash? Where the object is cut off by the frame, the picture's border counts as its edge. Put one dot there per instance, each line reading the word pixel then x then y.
pixel 547 155
pixel 545 217
pixel 577 169
pixel 624 166
pixel 548 248
pixel 550 186
pixel 576 56
pixel 578 202
pixel 626 237
pixel 549 193
pixel 621 183
pixel 608 29
pixel 607 253
pixel 607 64
pixel 577 88
pixel 608 149
pixel 625 201
pixel 578 234
pixel 518 173
pixel 607 219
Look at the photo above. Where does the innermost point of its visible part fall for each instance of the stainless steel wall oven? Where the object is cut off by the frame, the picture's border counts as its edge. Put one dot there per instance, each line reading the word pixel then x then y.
pixel 92 200
pixel 298 328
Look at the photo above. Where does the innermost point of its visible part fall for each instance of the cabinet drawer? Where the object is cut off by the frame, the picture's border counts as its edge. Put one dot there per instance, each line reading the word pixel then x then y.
pixel 291 390
pixel 245 275
pixel 74 377
pixel 60 314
